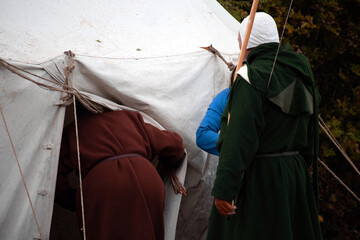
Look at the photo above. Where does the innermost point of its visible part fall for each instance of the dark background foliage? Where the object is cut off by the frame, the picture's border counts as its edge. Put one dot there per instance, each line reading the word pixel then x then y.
pixel 328 34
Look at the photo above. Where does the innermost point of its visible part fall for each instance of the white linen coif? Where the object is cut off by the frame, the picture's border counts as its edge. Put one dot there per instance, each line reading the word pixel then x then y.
pixel 264 30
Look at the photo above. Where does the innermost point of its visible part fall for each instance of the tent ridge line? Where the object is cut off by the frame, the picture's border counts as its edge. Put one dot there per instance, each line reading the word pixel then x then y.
pixel 119 58
pixel 145 58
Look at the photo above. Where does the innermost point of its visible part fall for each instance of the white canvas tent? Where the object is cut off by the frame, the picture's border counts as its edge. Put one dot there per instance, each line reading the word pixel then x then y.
pixel 144 55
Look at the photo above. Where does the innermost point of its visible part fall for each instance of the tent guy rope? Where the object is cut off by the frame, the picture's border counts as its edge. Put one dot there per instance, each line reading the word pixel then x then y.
pixel 336 143
pixel 22 175
pixel 277 52
pixel 337 178
pixel 65 87
pixel 69 76
pixel 16 70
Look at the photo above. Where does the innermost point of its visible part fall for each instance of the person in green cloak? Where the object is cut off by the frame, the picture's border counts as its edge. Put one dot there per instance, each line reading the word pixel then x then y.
pixel 263 189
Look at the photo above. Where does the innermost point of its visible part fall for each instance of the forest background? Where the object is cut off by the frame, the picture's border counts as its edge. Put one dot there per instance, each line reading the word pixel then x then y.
pixel 328 34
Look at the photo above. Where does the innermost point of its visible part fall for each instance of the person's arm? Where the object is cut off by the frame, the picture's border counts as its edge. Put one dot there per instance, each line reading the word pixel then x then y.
pixel 208 132
pixel 241 139
pixel 308 152
pixel 168 146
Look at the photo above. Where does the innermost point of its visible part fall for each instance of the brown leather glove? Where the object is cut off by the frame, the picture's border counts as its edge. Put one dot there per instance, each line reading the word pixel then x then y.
pixel 225 208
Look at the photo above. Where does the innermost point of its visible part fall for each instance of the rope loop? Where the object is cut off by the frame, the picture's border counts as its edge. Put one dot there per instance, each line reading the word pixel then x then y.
pixel 61 87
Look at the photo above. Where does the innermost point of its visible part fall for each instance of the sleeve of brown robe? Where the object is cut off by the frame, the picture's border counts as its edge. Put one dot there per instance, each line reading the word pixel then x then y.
pixel 168 146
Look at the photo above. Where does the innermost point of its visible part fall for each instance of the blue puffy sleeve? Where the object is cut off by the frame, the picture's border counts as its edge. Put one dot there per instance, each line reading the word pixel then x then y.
pixel 208 132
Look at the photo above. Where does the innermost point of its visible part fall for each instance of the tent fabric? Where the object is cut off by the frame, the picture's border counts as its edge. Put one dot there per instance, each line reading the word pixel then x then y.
pixel 35 127
pixel 35 32
pixel 142 55
pixel 43 204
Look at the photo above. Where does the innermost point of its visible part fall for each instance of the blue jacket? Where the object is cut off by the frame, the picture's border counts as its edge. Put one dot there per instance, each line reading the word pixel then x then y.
pixel 208 132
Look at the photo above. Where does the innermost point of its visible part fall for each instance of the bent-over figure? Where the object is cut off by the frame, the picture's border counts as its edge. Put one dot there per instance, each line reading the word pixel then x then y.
pixel 124 195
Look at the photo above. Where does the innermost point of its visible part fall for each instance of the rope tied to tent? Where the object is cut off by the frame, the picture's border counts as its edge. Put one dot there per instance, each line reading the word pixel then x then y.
pixel 213 50
pixel 68 70
pixel 69 77
pixel 22 175
pixel 63 87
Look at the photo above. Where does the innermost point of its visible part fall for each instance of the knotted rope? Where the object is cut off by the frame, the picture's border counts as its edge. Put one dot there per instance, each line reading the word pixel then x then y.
pixel 69 77
pixel 63 87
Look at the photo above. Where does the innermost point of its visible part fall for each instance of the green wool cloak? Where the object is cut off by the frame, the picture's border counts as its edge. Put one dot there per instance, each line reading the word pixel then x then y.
pixel 275 197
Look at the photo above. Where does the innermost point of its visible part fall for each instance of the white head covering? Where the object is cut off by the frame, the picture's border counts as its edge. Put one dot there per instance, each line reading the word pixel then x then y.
pixel 264 30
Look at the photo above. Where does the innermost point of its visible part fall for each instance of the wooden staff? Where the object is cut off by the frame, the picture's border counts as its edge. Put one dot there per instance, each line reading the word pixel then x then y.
pixel 245 41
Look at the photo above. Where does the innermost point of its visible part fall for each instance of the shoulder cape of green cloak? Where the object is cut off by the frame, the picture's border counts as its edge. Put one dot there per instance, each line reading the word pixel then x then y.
pixel 292 86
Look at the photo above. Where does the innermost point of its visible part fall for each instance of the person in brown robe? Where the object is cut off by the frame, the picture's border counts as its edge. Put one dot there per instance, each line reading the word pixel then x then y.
pixel 124 196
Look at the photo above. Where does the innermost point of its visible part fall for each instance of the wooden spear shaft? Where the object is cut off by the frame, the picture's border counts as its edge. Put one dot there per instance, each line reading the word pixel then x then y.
pixel 245 41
